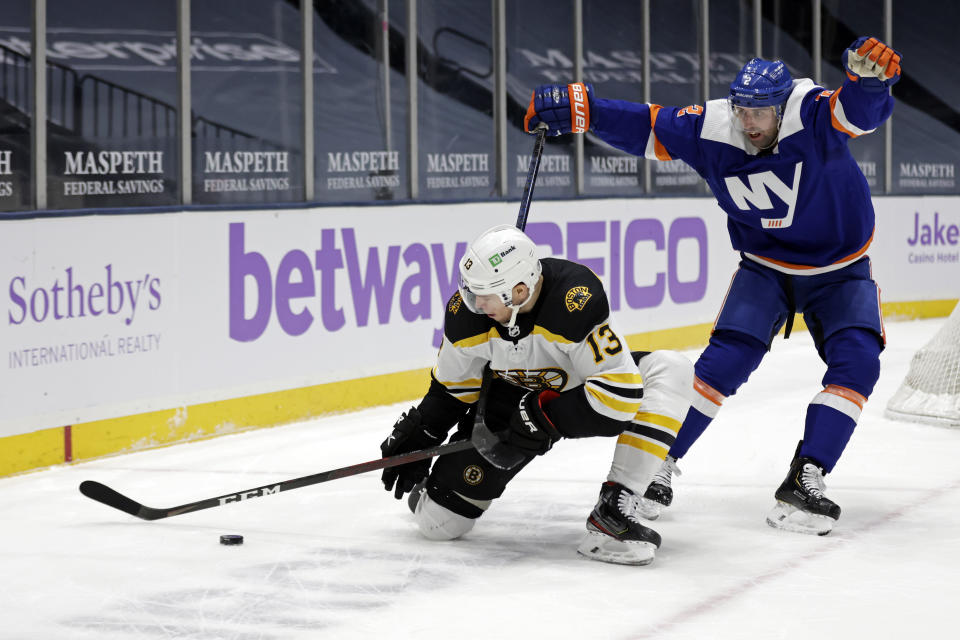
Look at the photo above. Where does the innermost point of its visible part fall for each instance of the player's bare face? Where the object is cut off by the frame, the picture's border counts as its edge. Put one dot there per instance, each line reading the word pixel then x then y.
pixel 493 306
pixel 759 125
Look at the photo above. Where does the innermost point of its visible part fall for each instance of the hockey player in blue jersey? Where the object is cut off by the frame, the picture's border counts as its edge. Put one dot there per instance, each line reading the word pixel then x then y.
pixel 774 153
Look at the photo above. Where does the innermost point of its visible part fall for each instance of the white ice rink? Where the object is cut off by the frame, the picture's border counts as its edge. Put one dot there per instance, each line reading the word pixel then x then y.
pixel 343 560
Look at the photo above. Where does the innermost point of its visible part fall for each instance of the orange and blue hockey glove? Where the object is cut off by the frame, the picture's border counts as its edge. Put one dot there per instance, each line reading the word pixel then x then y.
pixel 871 63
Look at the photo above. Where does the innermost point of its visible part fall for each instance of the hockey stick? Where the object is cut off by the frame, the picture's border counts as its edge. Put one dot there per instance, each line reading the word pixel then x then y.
pixel 112 498
pixel 532 171
pixel 482 436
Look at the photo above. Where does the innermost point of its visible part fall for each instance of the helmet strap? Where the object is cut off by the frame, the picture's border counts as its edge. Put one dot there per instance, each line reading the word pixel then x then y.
pixel 512 329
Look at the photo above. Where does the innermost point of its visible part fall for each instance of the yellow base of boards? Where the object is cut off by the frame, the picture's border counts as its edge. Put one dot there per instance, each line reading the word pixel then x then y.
pixel 89 440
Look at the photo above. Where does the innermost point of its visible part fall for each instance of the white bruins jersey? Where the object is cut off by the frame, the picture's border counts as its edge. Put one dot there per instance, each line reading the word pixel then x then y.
pixel 567 343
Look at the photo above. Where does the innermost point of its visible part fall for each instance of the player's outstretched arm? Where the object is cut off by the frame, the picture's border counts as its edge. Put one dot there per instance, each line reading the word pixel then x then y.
pixel 574 108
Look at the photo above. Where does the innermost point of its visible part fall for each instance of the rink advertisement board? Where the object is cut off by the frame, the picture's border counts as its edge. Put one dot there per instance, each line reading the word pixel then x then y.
pixel 160 311
pixel 89 325
pixel 156 312
pixel 916 249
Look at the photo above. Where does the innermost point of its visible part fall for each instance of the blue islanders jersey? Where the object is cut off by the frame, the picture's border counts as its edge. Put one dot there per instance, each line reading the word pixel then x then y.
pixel 804 208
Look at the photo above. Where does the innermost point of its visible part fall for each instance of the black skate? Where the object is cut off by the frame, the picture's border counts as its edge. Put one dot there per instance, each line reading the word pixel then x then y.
pixel 659 494
pixel 614 533
pixel 801 505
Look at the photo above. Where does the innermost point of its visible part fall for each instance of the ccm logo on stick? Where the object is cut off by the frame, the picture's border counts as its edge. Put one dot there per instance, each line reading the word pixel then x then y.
pixel 246 495
pixel 579 107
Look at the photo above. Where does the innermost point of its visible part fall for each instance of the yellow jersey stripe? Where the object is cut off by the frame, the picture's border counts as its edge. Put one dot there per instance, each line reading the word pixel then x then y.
pixel 546 335
pixel 658 420
pixel 629 379
pixel 630 440
pixel 478 339
pixel 623 406
pixel 452 385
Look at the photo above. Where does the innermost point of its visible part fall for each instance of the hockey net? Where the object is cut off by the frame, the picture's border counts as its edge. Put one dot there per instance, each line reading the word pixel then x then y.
pixel 931 390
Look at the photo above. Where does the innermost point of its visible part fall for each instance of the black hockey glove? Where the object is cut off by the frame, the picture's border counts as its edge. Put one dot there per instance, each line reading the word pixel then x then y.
pixel 409 434
pixel 530 431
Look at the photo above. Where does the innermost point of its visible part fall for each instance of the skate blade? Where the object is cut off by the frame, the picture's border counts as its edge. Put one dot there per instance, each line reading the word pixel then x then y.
pixel 649 509
pixel 789 518
pixel 600 546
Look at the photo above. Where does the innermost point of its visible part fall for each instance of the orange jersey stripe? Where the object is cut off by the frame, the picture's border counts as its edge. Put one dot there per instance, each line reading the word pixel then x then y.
pixel 833 117
pixel 849 258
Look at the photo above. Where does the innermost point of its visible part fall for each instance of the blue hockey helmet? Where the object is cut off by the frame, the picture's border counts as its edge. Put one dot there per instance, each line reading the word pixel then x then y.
pixel 761 83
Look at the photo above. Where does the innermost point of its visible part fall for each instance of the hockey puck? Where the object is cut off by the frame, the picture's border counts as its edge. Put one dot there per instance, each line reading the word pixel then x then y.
pixel 231 539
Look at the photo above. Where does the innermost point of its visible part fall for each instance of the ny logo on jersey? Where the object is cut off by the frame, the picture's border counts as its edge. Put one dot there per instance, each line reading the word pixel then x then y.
pixel 758 194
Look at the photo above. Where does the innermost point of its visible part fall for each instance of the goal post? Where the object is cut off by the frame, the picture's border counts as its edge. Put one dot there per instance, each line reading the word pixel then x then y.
pixel 930 392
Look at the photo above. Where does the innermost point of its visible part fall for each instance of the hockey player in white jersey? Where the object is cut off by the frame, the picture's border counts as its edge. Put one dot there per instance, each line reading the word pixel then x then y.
pixel 559 368
pixel 774 153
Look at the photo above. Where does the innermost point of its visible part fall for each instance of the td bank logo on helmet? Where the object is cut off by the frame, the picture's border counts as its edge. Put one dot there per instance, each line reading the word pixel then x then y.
pixel 497 258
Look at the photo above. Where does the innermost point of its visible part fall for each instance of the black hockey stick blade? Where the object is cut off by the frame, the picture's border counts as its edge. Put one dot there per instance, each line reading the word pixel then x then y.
pixel 532 171
pixel 112 498
pixel 487 442
pixel 491 447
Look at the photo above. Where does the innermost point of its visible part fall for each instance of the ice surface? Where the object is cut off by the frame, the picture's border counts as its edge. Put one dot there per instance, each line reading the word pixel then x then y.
pixel 343 559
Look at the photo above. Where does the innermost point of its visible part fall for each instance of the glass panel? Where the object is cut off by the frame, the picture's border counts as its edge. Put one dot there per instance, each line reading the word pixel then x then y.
pixel 112 87
pixel 675 82
pixel 16 88
pixel 539 51
pixel 926 124
pixel 457 157
pixel 843 22
pixel 731 42
pixel 787 33
pixel 613 52
pixel 247 100
pixel 360 94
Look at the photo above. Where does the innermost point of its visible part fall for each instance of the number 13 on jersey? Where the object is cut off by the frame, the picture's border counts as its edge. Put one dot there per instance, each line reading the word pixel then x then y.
pixel 604 341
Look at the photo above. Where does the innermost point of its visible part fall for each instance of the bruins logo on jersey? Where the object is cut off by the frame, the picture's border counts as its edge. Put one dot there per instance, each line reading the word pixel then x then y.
pixel 577 298
pixel 455 303
pixel 553 378
pixel 473 475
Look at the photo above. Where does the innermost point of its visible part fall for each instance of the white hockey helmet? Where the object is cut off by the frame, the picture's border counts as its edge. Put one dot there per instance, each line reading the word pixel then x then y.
pixel 497 261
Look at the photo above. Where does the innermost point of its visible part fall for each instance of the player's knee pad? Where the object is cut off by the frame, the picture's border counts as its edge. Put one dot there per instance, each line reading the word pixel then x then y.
pixel 437 522
pixel 729 360
pixel 853 360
